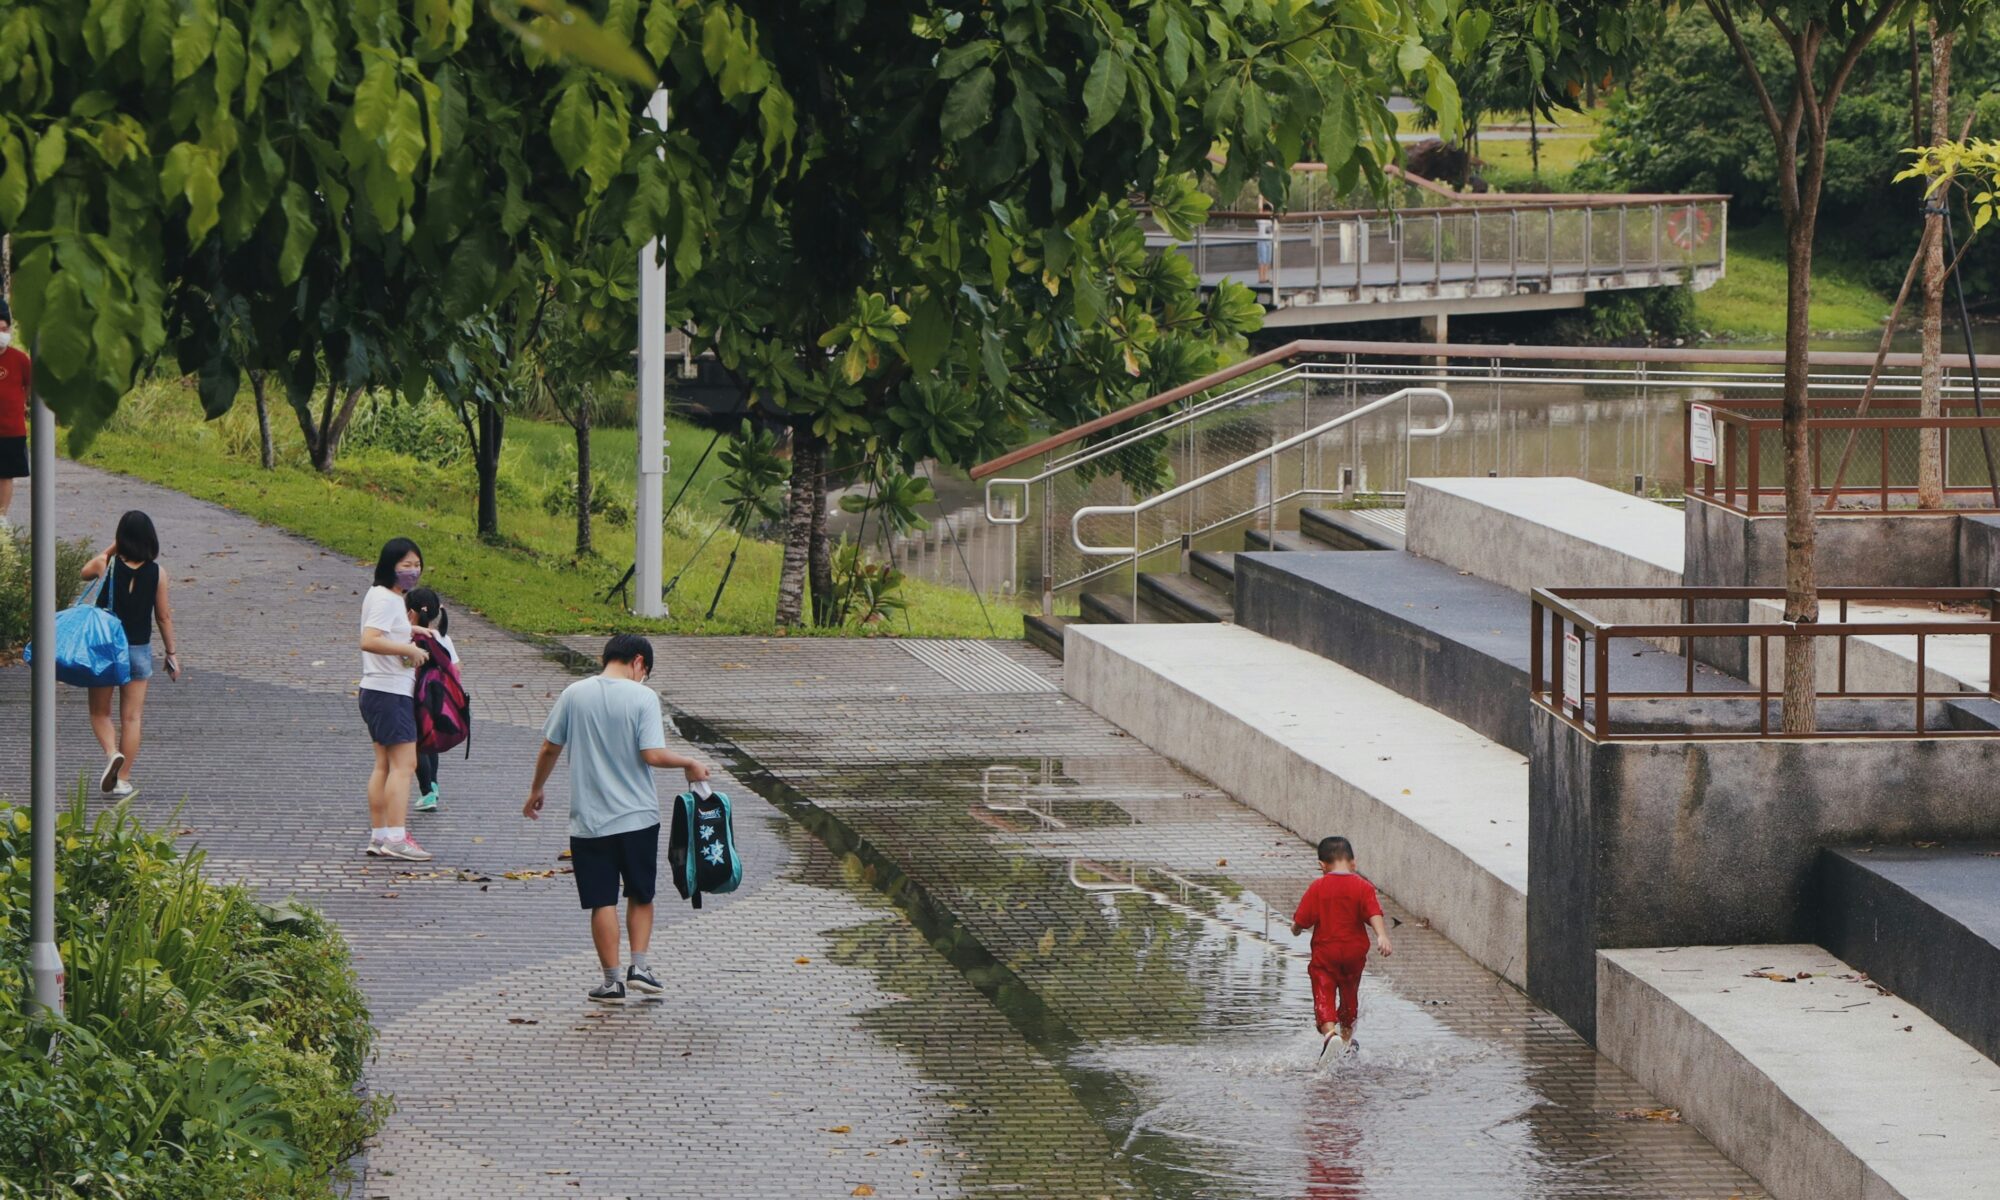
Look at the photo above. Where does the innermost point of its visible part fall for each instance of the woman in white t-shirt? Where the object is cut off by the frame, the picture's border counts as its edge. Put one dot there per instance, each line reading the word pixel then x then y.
pixel 389 661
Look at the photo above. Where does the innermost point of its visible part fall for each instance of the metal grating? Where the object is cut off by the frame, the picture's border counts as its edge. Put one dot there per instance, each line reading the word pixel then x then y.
pixel 975 666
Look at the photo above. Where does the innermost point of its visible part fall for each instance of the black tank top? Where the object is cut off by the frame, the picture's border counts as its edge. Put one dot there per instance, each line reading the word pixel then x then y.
pixel 129 594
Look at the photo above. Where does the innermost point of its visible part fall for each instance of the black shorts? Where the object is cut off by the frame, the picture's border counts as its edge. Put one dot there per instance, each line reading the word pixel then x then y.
pixel 601 862
pixel 13 458
pixel 391 718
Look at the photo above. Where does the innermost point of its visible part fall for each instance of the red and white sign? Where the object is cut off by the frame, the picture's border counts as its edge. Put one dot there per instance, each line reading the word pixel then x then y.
pixel 1572 672
pixel 1701 434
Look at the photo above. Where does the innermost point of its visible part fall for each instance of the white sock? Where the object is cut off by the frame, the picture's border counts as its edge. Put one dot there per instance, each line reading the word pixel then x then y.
pixel 379 834
pixel 395 833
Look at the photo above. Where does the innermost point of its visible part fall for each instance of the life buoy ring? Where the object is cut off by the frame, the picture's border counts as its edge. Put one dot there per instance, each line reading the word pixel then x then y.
pixel 1689 227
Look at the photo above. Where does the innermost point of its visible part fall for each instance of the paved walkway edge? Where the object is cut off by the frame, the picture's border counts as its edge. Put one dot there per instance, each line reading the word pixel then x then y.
pixel 1820 1087
pixel 1438 813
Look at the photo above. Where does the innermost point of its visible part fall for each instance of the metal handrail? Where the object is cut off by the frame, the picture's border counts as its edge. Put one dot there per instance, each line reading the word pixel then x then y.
pixel 1268 453
pixel 1076 458
pixel 1557 615
pixel 1739 441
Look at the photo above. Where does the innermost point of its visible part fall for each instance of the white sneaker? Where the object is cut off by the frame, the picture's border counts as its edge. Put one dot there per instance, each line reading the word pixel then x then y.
pixel 121 789
pixel 406 849
pixel 113 766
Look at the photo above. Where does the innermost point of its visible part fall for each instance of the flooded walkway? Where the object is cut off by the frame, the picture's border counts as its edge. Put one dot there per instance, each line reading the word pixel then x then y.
pixel 1131 922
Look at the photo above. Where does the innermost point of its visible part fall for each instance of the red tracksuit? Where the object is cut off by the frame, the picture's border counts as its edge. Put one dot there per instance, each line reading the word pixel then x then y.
pixel 1337 907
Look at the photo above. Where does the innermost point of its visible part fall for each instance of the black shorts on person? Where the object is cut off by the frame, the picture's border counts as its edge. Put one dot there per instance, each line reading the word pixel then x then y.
pixel 13 458
pixel 601 862
pixel 391 718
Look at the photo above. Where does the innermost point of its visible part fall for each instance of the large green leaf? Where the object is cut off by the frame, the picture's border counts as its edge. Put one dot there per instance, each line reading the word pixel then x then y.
pixel 1104 89
pixel 968 105
pixel 299 232
pixel 62 330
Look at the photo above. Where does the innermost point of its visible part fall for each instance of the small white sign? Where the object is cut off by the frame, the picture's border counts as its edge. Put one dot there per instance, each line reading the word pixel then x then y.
pixel 1701 434
pixel 1572 672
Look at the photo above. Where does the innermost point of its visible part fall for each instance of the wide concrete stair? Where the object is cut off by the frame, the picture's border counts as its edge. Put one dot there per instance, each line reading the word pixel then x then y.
pixel 1384 695
pixel 1204 593
pixel 1814 1081
pixel 1438 811
pixel 1923 921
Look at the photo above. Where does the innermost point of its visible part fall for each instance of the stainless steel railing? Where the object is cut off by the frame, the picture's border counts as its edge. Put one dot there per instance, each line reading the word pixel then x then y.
pixel 1217 516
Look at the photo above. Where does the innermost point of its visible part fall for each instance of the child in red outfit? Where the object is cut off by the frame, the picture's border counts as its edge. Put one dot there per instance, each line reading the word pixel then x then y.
pixel 1339 908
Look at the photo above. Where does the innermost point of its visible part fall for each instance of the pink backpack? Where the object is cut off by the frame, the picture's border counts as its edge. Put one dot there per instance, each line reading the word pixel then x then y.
pixel 444 711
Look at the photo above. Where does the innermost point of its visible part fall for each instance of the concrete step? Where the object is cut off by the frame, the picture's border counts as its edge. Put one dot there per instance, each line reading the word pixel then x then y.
pixel 1924 922
pixel 1286 539
pixel 1184 597
pixel 1447 639
pixel 1820 1087
pixel 1438 813
pixel 1108 608
pixel 1044 632
pixel 1354 528
pixel 1215 568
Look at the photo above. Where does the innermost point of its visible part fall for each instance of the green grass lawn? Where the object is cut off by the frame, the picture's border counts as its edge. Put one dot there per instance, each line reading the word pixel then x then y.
pixel 1749 302
pixel 532 581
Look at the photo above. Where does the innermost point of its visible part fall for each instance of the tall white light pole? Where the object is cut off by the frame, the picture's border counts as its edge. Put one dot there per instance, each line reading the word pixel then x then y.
pixel 44 960
pixel 646 573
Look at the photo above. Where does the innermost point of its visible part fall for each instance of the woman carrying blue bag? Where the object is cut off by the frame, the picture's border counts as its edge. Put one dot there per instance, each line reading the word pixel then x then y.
pixel 134 591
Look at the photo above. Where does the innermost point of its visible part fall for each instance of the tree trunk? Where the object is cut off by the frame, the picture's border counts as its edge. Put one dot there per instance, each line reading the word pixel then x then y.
pixel 581 424
pixel 799 505
pixel 267 453
pixel 819 552
pixel 486 457
pixel 323 442
pixel 1534 143
pixel 1930 451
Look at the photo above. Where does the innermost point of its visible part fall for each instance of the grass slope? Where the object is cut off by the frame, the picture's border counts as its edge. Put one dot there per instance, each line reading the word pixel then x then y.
pixel 531 581
pixel 1749 303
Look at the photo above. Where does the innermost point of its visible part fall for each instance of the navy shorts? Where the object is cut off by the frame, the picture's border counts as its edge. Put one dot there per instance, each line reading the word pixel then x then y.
pixel 602 863
pixel 391 718
pixel 13 458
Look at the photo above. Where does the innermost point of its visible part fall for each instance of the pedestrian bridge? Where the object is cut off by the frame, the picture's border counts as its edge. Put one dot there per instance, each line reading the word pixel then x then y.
pixel 1511 255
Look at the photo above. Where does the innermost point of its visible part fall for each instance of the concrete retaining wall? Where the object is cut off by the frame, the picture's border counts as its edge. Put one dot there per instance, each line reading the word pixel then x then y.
pixel 1706 843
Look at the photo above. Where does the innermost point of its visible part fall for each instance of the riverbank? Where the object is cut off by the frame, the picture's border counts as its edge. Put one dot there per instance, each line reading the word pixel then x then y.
pixel 1749 303
pixel 531 581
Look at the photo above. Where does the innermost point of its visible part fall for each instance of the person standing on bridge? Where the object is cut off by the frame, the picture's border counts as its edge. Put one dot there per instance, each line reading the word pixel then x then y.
pixel 1267 232
pixel 389 661
pixel 1340 908
pixel 616 736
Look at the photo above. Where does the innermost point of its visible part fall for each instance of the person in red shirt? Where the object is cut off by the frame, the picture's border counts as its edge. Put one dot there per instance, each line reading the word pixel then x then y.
pixel 14 380
pixel 1340 907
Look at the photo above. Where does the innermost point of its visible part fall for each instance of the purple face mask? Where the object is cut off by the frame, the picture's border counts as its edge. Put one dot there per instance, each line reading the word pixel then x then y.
pixel 407 579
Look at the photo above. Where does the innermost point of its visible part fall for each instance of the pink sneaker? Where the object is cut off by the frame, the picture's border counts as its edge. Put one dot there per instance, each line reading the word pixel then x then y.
pixel 405 849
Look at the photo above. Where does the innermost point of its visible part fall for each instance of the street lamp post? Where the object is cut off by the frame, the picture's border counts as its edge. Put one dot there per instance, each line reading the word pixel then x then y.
pixel 45 961
pixel 650 497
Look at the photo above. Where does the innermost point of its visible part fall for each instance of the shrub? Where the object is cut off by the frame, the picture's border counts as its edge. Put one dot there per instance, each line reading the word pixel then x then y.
pixel 212 1045
pixel 427 431
pixel 17 582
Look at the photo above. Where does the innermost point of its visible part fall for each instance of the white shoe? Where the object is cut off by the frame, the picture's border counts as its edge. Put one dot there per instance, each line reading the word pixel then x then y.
pixel 405 849
pixel 113 766
pixel 121 789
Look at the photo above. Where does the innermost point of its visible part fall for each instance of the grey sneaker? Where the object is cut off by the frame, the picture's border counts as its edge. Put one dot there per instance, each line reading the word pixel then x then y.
pixel 405 849
pixel 608 993
pixel 642 979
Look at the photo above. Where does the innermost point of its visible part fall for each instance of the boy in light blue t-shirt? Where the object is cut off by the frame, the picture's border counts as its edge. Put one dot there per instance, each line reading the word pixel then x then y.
pixel 612 726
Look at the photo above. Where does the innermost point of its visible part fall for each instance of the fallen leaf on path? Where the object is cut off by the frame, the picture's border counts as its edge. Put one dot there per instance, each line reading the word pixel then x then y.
pixel 522 1021
pixel 840 1129
pixel 802 961
pixel 863 1190
pixel 389 895
pixel 1773 976
pixel 1671 1116
pixel 1221 862
pixel 563 856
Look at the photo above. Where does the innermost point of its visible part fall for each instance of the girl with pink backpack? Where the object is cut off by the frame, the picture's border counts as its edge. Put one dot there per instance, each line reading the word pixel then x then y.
pixel 444 712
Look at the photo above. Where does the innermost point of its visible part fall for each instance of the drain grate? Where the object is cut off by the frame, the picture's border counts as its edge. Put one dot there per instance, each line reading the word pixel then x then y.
pixel 975 666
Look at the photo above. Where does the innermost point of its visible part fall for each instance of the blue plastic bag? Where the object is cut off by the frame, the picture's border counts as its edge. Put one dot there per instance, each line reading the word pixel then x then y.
pixel 91 650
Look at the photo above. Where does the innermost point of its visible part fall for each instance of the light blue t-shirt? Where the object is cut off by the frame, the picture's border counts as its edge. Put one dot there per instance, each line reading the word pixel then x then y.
pixel 606 723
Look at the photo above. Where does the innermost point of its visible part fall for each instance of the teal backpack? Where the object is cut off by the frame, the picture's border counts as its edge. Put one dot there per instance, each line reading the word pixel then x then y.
pixel 701 845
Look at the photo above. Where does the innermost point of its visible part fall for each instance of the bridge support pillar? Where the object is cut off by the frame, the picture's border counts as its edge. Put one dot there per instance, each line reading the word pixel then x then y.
pixel 1437 327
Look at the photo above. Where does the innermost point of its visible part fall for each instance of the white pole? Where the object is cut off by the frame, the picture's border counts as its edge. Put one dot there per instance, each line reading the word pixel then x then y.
pixel 647 576
pixel 45 961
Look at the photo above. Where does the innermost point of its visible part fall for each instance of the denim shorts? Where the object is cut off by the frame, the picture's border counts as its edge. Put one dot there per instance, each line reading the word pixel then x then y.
pixel 142 662
pixel 390 716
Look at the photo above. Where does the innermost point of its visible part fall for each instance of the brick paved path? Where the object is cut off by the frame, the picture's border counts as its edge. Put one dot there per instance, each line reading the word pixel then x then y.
pixel 1091 1000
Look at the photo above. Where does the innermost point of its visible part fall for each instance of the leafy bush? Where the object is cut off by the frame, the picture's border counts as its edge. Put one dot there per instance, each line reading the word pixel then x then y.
pixel 428 431
pixel 17 582
pixel 211 1047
